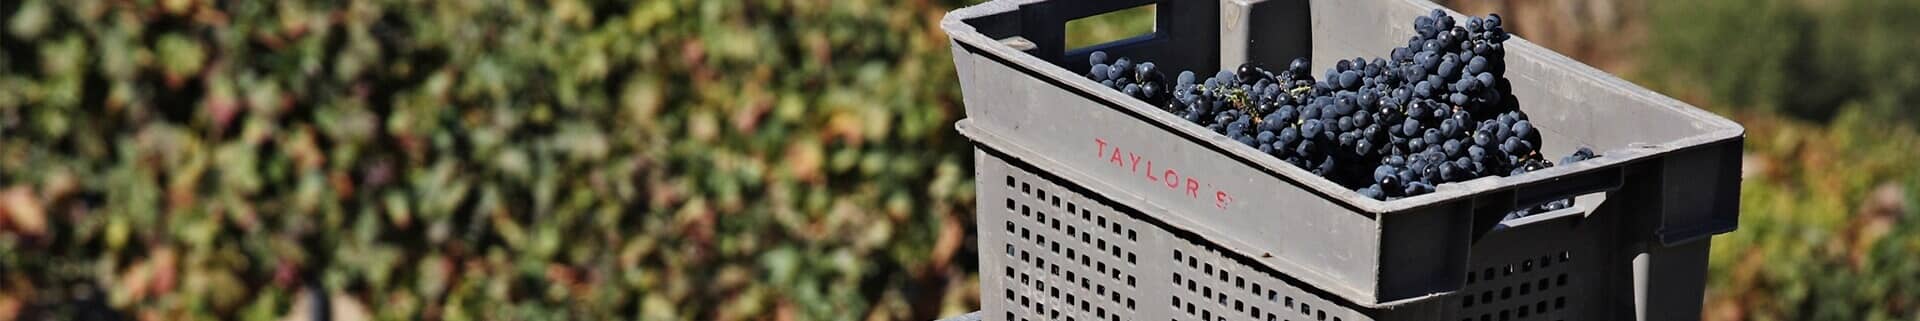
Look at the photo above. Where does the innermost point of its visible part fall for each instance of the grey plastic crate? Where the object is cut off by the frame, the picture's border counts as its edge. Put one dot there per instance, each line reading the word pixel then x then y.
pixel 1053 250
pixel 1191 203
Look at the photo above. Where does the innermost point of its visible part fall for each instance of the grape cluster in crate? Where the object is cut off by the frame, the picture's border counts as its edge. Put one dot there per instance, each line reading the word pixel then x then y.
pixel 1438 110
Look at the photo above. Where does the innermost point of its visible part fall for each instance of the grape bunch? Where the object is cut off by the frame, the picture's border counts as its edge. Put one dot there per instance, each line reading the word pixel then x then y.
pixel 1143 81
pixel 1578 155
pixel 1231 101
pixel 1435 111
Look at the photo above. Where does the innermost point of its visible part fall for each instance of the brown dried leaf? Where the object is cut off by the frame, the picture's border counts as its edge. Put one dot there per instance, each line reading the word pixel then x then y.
pixel 953 235
pixel 805 159
pixel 23 211
pixel 9 308
pixel 166 270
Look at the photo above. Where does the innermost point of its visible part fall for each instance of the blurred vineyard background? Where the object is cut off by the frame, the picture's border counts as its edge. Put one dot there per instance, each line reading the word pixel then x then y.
pixel 759 159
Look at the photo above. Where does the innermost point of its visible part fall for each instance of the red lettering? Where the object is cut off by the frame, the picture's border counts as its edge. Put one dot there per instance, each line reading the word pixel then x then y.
pixel 1136 161
pixel 1220 199
pixel 1172 178
pixel 1193 187
pixel 1133 160
pixel 1149 175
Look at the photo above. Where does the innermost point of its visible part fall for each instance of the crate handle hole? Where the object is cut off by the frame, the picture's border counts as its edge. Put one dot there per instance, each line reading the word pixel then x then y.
pixel 1112 27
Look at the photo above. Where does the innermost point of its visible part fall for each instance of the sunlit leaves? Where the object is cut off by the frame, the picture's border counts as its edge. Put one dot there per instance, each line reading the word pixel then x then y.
pixel 473 160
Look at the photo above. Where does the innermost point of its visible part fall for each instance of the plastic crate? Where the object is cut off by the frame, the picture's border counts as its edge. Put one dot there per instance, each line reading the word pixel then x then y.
pixel 1105 208
pixel 970 316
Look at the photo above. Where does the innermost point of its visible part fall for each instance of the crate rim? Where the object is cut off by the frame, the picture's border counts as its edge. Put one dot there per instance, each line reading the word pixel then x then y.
pixel 1716 129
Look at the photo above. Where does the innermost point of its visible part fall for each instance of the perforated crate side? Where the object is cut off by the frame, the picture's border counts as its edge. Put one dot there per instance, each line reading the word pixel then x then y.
pixel 1556 269
pixel 1058 251
pixel 1050 253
